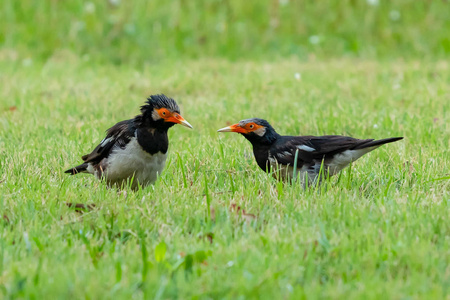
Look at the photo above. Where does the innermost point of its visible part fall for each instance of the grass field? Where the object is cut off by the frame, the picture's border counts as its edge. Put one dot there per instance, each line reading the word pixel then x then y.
pixel 214 225
pixel 135 31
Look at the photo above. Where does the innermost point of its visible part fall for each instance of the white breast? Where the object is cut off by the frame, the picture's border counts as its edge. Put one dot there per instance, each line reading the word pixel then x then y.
pixel 123 164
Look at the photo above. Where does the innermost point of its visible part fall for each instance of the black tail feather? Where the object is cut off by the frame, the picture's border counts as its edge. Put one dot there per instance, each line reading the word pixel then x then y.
pixel 374 143
pixel 78 169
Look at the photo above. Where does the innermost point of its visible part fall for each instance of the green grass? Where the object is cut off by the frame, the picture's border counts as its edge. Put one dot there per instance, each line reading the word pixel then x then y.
pixel 135 31
pixel 369 69
pixel 379 231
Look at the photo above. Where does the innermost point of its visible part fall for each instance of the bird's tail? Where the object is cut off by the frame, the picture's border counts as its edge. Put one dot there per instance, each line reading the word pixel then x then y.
pixel 375 143
pixel 78 169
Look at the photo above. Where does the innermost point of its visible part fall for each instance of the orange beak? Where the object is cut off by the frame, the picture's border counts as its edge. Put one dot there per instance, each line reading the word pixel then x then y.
pixel 233 128
pixel 178 119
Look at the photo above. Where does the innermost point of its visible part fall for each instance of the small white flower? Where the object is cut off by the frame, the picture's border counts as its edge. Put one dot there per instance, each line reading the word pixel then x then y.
pixel 114 2
pixel 373 2
pixel 314 39
pixel 230 263
pixel 394 15
pixel 284 2
pixel 375 126
pixel 89 7
pixel 298 76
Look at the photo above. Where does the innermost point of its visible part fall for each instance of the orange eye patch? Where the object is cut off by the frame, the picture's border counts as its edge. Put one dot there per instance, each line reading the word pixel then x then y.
pixel 252 127
pixel 164 113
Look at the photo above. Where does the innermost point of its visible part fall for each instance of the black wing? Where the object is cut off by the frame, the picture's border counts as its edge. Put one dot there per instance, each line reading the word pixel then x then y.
pixel 313 148
pixel 117 136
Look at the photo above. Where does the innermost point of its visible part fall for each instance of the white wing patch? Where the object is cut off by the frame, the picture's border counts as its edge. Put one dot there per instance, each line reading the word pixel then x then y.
pixel 306 148
pixel 105 141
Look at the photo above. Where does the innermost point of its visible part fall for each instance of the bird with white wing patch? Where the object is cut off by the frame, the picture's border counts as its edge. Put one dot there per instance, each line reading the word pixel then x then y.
pixel 278 154
pixel 135 150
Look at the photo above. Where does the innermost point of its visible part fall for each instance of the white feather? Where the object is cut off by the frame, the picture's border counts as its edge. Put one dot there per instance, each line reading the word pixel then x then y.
pixel 309 174
pixel 105 141
pixel 122 164
pixel 260 131
pixel 306 148
pixel 342 160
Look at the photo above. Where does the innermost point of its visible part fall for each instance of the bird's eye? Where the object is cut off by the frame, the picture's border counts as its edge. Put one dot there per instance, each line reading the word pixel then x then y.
pixel 251 126
pixel 163 113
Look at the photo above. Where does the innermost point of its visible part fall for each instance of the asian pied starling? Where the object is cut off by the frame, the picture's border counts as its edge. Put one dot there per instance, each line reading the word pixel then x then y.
pixel 316 155
pixel 135 149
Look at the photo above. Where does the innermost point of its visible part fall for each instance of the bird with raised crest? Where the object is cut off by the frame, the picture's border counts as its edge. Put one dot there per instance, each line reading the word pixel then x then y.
pixel 134 151
pixel 316 156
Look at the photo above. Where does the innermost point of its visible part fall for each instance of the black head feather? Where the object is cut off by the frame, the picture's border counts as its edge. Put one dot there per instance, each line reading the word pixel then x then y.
pixel 156 102
pixel 160 101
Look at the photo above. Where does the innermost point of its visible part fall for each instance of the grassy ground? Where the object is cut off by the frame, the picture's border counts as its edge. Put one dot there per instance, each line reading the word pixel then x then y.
pixel 381 230
pixel 136 31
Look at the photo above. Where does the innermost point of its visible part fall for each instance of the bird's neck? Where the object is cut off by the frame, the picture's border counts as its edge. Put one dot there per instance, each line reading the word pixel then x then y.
pixel 153 140
pixel 261 153
pixel 261 148
pixel 267 139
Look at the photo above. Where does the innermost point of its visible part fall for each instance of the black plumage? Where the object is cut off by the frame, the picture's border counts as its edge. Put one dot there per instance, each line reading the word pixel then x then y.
pixel 135 148
pixel 117 136
pixel 275 153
